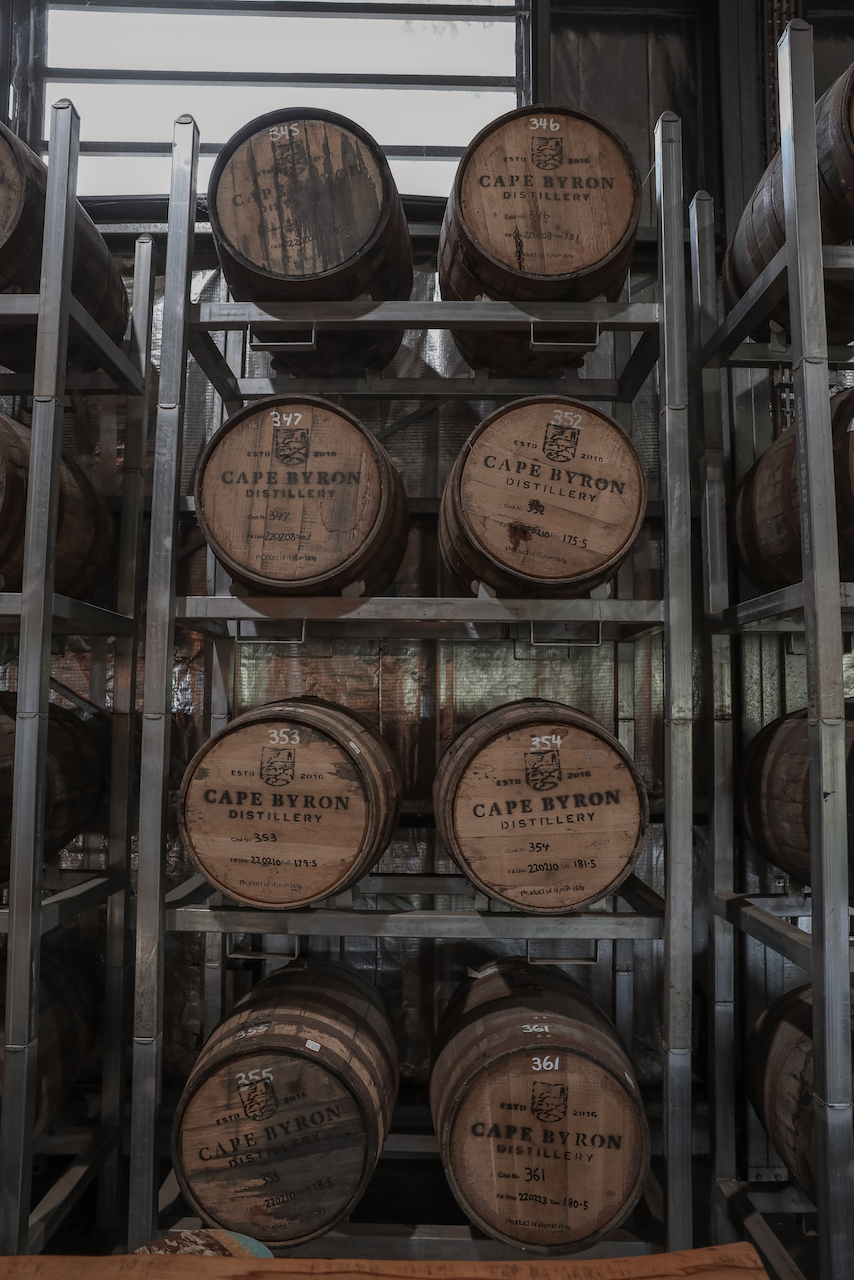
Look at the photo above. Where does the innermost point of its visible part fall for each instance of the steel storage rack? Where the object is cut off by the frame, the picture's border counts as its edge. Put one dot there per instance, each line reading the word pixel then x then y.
pixel 661 328
pixel 38 612
pixel 820 607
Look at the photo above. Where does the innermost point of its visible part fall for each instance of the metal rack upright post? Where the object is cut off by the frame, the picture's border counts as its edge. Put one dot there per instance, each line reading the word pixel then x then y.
pixel 815 606
pixel 661 329
pixel 39 612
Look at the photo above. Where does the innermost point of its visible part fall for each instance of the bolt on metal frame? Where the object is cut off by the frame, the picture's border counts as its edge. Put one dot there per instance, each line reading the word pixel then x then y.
pixel 185 907
pixel 40 612
pixel 818 605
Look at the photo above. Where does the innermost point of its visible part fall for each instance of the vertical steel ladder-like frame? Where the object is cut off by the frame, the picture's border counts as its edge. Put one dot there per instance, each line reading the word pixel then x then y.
pixel 826 712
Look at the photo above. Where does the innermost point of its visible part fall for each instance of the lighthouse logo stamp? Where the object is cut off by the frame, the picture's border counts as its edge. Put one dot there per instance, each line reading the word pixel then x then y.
pixel 542 770
pixel 257 1095
pixel 290 446
pixel 549 1101
pixel 547 153
pixel 277 766
pixel 560 442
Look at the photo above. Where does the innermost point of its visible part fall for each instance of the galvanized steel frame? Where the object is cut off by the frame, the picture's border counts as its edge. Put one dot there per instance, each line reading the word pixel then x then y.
pixel 39 612
pixel 826 952
pixel 663 330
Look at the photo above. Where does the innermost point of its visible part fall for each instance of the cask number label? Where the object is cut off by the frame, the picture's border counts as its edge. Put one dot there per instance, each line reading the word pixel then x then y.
pixel 548 195
pixel 559 1168
pixel 291 494
pixel 273 1160
pixel 551 492
pixel 275 813
pixel 576 803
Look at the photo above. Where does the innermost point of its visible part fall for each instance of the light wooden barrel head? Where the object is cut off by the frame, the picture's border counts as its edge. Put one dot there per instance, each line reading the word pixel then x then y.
pixel 10 190
pixel 300 197
pixel 208 1244
pixel 547 815
pixel 273 1145
pixel 552 490
pixel 290 493
pixel 548 194
pixel 546 1156
pixel 274 813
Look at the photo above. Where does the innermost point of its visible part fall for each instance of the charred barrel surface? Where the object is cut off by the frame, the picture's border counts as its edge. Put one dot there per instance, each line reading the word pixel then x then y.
pixel 295 497
pixel 289 803
pixel 66 1029
pixel 761 231
pixel 95 279
pixel 76 775
pixel 304 208
pixel 768 506
pixel 538 1114
pixel 286 1111
pixel 780 1079
pixel 545 499
pixel 544 208
pixel 84 536
pixel 540 806
pixel 776 797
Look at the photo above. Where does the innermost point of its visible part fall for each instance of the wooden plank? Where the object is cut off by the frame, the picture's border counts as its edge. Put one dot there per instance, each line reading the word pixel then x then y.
pixel 723 1262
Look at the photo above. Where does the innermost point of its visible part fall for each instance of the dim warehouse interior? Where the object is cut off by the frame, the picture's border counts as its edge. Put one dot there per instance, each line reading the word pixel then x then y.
pixel 426 601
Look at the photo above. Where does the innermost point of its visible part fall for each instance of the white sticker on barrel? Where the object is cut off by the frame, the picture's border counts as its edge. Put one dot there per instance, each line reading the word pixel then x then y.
pixel 355 748
pixel 313 1045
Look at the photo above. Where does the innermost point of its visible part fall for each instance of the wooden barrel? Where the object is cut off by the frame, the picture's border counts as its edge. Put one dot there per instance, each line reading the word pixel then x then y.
pixel 76 775
pixel 66 1029
pixel 775 804
pixel 285 1113
pixel 296 497
pixel 304 208
pixel 544 208
pixel 761 231
pixel 780 1078
pixel 768 505
pixel 84 536
pixel 95 279
pixel 540 806
pixel 289 803
pixel 538 1114
pixel 207 1244
pixel 545 499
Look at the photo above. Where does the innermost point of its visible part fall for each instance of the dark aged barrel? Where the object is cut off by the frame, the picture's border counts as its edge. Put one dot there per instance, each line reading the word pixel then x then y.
pixel 304 208
pixel 66 1027
pixel 776 796
pixel 286 1111
pixel 545 499
pixel 296 497
pixel 780 1078
pixel 544 208
pixel 768 506
pixel 207 1244
pixel 76 775
pixel 289 803
pixel 761 230
pixel 538 1114
pixel 95 279
pixel 540 806
pixel 84 536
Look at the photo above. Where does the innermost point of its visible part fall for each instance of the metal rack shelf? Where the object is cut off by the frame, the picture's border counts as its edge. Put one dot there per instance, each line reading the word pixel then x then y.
pixel 38 612
pixel 821 607
pixel 661 336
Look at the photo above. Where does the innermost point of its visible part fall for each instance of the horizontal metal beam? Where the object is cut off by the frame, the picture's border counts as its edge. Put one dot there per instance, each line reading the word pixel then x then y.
pixel 617 316
pixel 304 8
pixel 18 308
pixel 281 79
pixel 321 922
pixel 429 611
pixel 766 355
pixel 73 617
pixel 374 387
pixel 392 150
